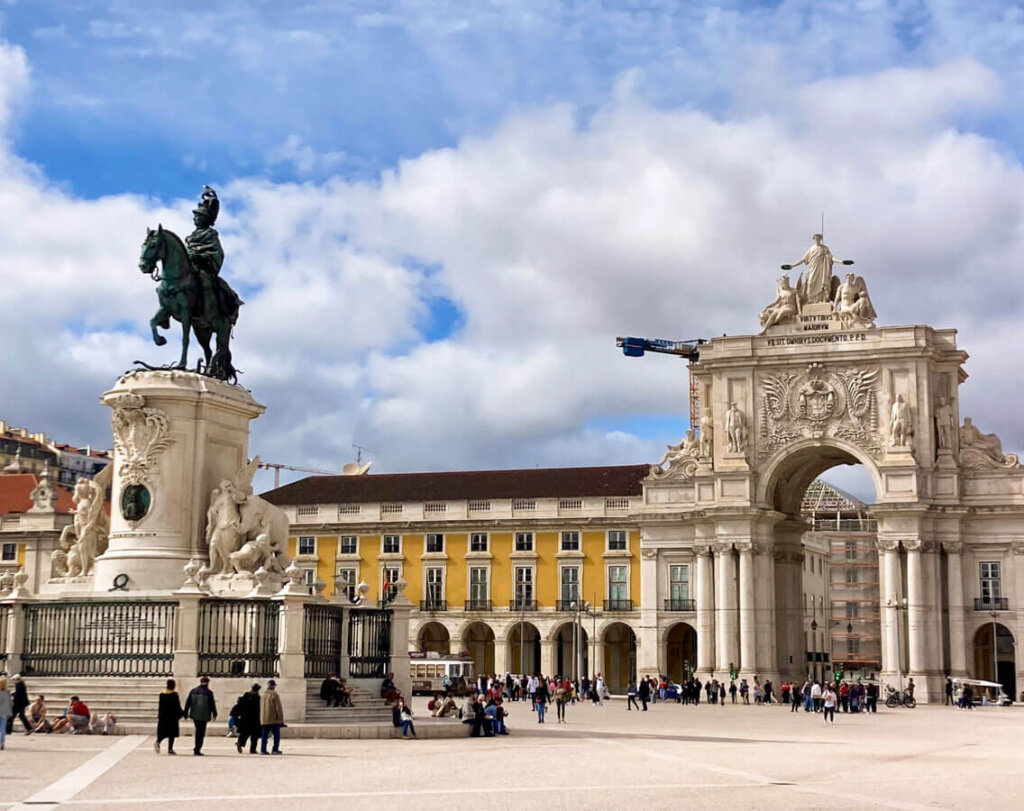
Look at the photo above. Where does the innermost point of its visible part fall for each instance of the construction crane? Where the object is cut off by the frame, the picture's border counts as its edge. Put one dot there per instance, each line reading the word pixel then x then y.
pixel 638 347
pixel 277 467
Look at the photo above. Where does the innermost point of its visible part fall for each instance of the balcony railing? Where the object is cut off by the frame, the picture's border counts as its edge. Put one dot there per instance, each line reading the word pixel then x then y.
pixel 680 605
pixel 522 605
pixel 618 605
pixel 566 605
pixel 433 605
pixel 478 605
pixel 991 604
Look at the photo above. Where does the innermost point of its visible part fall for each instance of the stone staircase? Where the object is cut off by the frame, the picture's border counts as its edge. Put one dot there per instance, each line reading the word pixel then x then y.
pixel 366 708
pixel 133 700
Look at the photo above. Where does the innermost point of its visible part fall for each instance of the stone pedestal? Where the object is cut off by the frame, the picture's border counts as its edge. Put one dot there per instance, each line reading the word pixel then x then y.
pixel 176 436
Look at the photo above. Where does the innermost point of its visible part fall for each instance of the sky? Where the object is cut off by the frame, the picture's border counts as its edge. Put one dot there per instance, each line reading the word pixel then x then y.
pixel 441 214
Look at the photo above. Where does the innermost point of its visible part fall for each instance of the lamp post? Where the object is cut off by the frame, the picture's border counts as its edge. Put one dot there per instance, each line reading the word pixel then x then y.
pixel 897 603
pixel 522 634
pixel 995 648
pixel 814 651
pixel 575 640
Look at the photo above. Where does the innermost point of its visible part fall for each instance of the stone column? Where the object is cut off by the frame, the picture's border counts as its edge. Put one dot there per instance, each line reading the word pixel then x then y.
pixel 931 572
pixel 726 613
pixel 892 660
pixel 597 663
pixel 917 631
pixel 748 638
pixel 501 661
pixel 12 644
pixel 648 655
pixel 291 682
pixel 186 636
pixel 401 608
pixel 788 559
pixel 547 657
pixel 955 592
pixel 705 612
pixel 1018 631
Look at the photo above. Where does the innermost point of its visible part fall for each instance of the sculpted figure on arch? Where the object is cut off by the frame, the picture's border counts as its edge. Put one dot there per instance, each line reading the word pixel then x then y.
pixel 817 285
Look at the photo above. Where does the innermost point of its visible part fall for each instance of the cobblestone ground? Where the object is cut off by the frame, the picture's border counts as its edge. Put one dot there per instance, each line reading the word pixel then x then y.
pixel 604 757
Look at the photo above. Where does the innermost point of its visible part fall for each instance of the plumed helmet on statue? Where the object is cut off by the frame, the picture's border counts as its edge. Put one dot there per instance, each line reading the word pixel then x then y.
pixel 208 204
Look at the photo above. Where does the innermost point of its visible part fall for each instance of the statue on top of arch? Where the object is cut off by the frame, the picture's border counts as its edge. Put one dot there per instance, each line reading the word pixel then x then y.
pixel 820 293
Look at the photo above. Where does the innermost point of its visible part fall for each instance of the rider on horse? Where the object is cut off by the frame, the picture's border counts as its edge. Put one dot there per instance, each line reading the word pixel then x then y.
pixel 207 256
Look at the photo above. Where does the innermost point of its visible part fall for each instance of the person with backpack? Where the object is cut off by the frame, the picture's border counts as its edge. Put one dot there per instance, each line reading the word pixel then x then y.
pixel 247 719
pixel 201 707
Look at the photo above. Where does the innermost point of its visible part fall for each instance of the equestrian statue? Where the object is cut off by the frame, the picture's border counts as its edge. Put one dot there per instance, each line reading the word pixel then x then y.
pixel 191 290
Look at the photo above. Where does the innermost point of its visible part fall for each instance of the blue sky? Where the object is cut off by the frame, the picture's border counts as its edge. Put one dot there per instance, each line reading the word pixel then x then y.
pixel 431 202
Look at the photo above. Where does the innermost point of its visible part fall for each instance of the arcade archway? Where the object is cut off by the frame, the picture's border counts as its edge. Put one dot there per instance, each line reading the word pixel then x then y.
pixel 565 663
pixel 619 656
pixel 996 663
pixel 434 638
pixel 524 648
pixel 478 641
pixel 680 652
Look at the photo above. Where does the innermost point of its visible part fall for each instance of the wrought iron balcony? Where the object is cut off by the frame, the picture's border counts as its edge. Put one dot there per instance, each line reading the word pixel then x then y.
pixel 618 605
pixel 566 605
pixel 680 605
pixel 433 605
pixel 478 605
pixel 522 605
pixel 991 604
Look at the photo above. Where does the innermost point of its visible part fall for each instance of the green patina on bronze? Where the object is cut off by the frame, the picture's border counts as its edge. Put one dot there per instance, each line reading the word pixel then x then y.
pixel 191 289
pixel 135 502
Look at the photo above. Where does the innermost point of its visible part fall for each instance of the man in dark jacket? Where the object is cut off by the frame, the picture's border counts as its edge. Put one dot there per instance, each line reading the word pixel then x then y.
pixel 168 715
pixel 201 707
pixel 247 719
pixel 329 691
pixel 644 691
pixel 19 703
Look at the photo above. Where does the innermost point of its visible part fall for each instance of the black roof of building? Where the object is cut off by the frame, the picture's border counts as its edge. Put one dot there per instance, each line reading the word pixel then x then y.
pixel 559 482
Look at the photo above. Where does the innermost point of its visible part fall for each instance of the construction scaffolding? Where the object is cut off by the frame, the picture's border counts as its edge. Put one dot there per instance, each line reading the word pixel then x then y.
pixel 843 523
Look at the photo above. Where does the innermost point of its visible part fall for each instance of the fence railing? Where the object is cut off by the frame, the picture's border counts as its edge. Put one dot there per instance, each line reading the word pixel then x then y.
pixel 238 638
pixel 369 643
pixel 102 638
pixel 679 604
pixel 321 640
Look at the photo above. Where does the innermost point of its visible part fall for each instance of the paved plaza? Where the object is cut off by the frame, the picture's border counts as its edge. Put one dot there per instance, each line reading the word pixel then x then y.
pixel 605 757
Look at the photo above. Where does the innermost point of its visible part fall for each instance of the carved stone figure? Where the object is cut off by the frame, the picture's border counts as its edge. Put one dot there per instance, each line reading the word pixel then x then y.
pixel 853 304
pixel 85 538
pixel 707 436
pixel 901 426
pixel 785 307
pixel 735 429
pixel 978 450
pixel 818 285
pixel 235 522
pixel 677 456
pixel 191 290
pixel 140 434
pixel 945 424
pixel 43 495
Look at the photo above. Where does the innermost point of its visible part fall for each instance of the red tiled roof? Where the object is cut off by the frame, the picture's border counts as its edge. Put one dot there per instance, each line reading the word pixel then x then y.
pixel 566 482
pixel 16 489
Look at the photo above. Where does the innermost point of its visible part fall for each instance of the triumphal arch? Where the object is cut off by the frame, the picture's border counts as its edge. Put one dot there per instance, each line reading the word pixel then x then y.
pixel 822 385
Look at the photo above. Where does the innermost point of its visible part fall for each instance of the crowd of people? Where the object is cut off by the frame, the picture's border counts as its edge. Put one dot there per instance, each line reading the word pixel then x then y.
pixel 35 716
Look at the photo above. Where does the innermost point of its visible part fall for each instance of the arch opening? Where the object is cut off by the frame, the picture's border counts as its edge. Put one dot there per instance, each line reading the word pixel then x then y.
pixel 619 666
pixel 995 662
pixel 478 642
pixel 524 649
pixel 570 663
pixel 433 637
pixel 680 652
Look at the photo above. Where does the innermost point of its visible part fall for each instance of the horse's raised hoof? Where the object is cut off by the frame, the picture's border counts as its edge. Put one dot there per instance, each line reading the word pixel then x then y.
pixel 159 340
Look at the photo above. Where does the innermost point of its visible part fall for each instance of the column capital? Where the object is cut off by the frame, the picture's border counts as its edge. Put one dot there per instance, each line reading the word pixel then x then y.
pixel 722 548
pixel 744 547
pixel 957 547
pixel 788 556
pixel 1018 548
pixel 702 550
pixel 913 545
pixel 931 547
pixel 887 544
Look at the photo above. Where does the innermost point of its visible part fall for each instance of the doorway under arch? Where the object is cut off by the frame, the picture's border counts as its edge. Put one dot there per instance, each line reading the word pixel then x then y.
pixel 524 648
pixel 619 656
pixel 680 652
pixel 434 638
pixel 478 641
pixel 998 664
pixel 565 664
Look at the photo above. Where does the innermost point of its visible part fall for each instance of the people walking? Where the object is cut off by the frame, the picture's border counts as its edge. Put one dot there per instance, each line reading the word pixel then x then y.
pixel 272 717
pixel 201 707
pixel 247 719
pixel 562 695
pixel 949 691
pixel 19 703
pixel 828 704
pixel 6 710
pixel 631 694
pixel 732 690
pixel 644 691
pixel 541 698
pixel 168 714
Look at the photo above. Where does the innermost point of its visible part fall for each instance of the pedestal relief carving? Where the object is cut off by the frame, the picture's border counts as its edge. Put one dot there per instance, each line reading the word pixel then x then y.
pixel 820 403
pixel 979 451
pixel 140 434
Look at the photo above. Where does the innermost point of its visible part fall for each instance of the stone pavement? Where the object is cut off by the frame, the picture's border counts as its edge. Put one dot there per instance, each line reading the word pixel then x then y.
pixel 605 757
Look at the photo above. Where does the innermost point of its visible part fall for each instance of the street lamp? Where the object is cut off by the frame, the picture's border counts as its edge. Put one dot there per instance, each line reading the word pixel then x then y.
pixel 897 603
pixel 995 648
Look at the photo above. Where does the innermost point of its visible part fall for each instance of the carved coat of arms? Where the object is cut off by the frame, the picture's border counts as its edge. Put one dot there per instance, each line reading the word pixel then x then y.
pixel 819 403
pixel 140 434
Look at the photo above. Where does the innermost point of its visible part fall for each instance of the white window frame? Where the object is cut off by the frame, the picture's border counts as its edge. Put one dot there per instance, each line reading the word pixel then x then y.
pixel 575 567
pixel 383 545
pixel 476 535
pixel 487 583
pixel 350 588
pixel 308 576
pixel 11 545
pixel 355 544
pixel 435 537
pixel 986 576
pixel 443 583
pixel 298 546
pixel 524 535
pixel 671 582
pixel 608 580
pixel 570 534
pixel 388 567
pixel 625 540
pixel 532 582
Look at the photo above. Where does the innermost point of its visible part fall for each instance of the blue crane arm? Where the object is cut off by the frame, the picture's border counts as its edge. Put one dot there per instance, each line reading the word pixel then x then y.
pixel 636 347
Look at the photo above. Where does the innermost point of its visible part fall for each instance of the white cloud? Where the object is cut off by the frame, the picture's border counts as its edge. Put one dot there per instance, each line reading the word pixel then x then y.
pixel 552 234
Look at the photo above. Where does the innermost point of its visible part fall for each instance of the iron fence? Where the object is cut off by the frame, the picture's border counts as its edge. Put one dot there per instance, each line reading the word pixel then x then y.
pixel 238 638
pixel 321 640
pixel 102 638
pixel 369 643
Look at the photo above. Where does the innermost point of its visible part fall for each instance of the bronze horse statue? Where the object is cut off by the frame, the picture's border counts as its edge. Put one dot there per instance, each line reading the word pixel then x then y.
pixel 181 297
